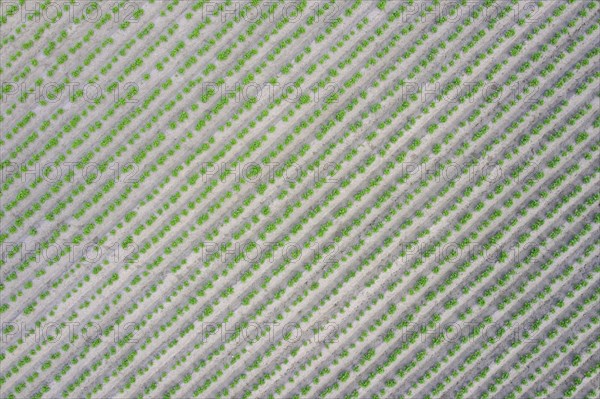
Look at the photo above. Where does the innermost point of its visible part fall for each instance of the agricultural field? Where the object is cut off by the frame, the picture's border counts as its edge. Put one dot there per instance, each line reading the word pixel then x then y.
pixel 300 199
